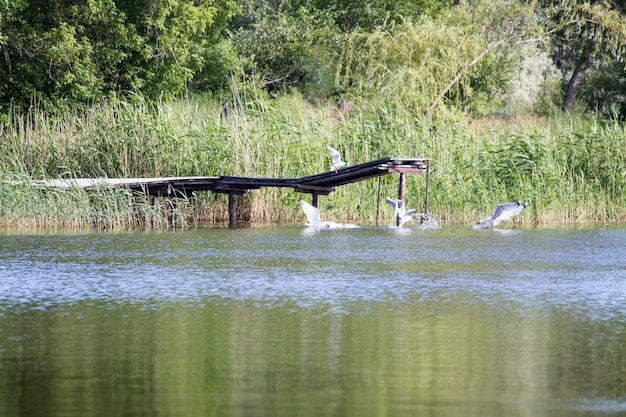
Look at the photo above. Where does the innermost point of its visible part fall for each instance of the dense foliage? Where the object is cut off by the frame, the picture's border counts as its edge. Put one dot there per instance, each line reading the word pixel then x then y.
pixel 587 35
pixel 81 51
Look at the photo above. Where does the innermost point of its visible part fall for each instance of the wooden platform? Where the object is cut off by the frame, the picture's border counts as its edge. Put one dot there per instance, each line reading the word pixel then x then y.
pixel 319 184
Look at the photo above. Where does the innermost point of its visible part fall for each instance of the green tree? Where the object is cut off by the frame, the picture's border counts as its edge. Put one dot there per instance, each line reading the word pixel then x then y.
pixel 350 15
pixel 78 51
pixel 296 43
pixel 604 89
pixel 286 49
pixel 586 34
pixel 8 12
pixel 459 58
pixel 345 15
pixel 175 33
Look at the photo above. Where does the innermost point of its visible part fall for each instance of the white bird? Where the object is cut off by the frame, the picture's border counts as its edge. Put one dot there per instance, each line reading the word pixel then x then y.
pixel 503 213
pixel 315 221
pixel 336 158
pixel 398 209
pixel 312 215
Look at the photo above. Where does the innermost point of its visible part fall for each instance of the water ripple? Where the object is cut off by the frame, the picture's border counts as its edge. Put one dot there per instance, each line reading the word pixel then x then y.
pixel 530 269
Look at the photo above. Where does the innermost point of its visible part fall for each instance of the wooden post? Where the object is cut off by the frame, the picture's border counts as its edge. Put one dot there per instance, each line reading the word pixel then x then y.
pixel 231 209
pixel 401 186
pixel 314 195
pixel 155 205
pixel 378 201
pixel 426 197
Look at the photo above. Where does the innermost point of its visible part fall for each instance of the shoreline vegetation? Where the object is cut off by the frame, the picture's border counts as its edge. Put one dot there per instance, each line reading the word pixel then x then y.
pixel 567 168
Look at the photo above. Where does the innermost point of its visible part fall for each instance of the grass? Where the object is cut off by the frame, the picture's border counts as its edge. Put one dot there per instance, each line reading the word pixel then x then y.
pixel 566 168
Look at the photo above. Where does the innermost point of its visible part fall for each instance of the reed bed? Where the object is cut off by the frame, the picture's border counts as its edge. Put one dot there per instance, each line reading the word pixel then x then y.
pixel 566 168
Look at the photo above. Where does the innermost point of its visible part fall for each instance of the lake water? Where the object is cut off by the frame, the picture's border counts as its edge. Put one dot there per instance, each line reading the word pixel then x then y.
pixel 283 321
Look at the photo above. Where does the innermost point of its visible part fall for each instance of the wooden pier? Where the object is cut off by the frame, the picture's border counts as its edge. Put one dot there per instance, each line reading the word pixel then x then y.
pixel 319 184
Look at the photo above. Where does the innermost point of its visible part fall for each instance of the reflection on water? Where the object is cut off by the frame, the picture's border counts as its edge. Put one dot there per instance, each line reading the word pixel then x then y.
pixel 287 321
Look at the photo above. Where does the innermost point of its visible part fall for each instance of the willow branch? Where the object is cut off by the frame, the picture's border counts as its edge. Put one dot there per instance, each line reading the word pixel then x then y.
pixel 473 62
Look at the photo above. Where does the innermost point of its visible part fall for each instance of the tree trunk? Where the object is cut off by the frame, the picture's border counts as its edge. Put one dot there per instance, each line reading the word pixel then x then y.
pixel 573 85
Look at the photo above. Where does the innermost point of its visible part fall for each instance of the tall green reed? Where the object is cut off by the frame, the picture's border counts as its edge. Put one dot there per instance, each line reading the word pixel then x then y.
pixel 566 168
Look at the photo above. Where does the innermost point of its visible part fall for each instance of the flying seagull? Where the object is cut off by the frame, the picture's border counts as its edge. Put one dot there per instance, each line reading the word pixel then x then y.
pixel 315 221
pixel 503 213
pixel 336 158
pixel 398 209
pixel 312 215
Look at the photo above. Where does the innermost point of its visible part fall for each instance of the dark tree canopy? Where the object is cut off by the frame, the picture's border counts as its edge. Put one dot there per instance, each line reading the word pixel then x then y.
pixel 78 51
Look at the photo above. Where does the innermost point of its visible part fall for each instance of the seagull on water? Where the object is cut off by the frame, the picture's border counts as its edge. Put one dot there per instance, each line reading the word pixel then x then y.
pixel 398 209
pixel 312 215
pixel 503 213
pixel 315 221
pixel 336 158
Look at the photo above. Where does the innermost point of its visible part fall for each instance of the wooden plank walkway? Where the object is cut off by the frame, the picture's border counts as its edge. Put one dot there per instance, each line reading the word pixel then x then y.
pixel 319 184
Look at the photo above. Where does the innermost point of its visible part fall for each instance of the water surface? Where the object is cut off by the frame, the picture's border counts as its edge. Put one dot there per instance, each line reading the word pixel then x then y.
pixel 284 321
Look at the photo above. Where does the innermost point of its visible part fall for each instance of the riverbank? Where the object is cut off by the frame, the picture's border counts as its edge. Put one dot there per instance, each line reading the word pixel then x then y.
pixel 566 168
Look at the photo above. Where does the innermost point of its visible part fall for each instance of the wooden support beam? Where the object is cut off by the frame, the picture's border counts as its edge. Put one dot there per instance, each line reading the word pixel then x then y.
pixel 155 204
pixel 231 209
pixel 401 187
pixel 426 193
pixel 404 170
pixel 305 188
pixel 314 190
pixel 234 191
pixel 378 200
